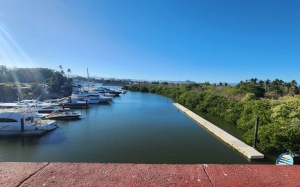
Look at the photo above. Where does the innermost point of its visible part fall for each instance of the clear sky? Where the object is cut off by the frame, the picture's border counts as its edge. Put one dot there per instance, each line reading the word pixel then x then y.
pixel 197 40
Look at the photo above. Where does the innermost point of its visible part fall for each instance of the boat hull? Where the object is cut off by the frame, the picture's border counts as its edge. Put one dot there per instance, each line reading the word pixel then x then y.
pixel 74 105
pixel 63 117
pixel 285 159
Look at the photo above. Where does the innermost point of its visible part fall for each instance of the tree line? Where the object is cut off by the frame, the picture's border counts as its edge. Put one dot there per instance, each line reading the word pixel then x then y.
pixel 276 104
pixel 24 83
pixel 27 82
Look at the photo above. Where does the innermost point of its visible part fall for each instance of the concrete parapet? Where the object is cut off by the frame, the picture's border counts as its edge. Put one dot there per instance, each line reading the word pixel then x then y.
pixel 101 174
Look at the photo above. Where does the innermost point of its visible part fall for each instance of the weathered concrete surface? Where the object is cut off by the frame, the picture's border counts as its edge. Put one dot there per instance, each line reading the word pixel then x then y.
pixel 15 173
pixel 98 174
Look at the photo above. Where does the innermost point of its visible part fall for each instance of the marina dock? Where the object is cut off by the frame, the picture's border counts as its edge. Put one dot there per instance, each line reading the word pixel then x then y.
pixel 235 143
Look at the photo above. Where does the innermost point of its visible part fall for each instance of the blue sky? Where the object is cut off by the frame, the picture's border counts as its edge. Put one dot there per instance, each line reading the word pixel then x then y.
pixel 197 40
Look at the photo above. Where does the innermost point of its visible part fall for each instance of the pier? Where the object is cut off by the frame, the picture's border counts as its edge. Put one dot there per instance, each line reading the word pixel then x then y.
pixel 235 143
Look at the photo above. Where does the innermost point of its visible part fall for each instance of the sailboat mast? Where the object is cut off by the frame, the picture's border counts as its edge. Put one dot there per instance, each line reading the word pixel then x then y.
pixel 87 70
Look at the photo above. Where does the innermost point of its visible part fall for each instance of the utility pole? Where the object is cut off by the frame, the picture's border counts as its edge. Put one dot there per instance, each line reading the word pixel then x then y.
pixel 255 132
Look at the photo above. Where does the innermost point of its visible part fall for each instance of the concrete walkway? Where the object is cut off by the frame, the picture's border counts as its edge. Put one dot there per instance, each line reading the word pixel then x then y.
pixel 100 174
pixel 235 143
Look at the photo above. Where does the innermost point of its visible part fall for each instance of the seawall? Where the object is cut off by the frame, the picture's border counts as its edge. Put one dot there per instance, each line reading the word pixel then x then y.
pixel 246 150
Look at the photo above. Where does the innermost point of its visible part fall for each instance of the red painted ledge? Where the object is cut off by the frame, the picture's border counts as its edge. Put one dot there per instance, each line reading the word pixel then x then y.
pixel 101 174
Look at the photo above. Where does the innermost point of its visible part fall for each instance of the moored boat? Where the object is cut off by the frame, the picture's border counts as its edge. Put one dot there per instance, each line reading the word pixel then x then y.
pixel 63 115
pixel 20 119
pixel 285 159
pixel 49 109
pixel 91 98
pixel 73 103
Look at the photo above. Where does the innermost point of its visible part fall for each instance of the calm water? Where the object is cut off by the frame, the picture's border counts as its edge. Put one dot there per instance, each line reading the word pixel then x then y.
pixel 133 128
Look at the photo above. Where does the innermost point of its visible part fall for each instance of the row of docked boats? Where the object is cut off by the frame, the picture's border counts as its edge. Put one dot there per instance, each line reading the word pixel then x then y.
pixel 95 95
pixel 23 117
pixel 32 115
pixel 81 98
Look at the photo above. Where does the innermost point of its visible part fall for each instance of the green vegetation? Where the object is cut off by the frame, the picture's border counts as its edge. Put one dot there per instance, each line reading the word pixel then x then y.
pixel 27 83
pixel 276 104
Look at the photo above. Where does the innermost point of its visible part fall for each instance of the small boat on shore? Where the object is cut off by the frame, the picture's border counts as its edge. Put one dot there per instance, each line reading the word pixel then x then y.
pixel 63 115
pixel 285 159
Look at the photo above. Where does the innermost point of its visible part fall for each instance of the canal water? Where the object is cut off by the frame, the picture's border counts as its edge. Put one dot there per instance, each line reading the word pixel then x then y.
pixel 134 128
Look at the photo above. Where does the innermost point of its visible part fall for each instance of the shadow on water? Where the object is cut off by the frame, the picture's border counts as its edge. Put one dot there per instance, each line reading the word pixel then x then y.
pixel 105 103
pixel 75 119
pixel 21 140
pixel 46 139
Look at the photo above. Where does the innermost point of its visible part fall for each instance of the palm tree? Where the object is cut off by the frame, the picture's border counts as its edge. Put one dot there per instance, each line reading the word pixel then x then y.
pixel 240 84
pixel 253 81
pixel 295 87
pixel 292 87
pixel 294 84
pixel 277 86
pixel 207 83
pixel 69 71
pixel 288 85
pixel 61 70
pixel 267 84
pixel 261 83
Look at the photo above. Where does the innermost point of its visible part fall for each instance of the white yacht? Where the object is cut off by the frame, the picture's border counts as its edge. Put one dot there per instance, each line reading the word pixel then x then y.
pixel 91 98
pixel 11 119
pixel 48 108
pixel 79 94
pixel 63 115
pixel 106 91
